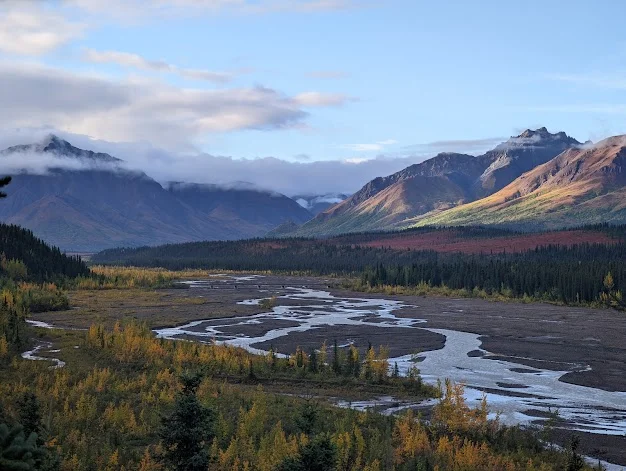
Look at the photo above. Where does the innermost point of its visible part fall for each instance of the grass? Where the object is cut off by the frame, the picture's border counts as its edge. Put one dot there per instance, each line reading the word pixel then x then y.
pixel 157 308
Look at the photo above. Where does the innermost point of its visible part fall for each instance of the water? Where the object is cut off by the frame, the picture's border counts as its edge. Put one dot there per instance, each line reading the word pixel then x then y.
pixel 32 354
pixel 586 409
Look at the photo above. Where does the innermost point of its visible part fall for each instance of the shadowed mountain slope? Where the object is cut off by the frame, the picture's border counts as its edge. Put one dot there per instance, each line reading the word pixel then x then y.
pixel 86 201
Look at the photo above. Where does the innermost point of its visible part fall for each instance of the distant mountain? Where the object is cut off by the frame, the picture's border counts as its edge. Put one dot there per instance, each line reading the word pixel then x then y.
pixel 87 201
pixel 250 212
pixel 580 186
pixel 438 184
pixel 319 203
pixel 55 145
pixel 285 228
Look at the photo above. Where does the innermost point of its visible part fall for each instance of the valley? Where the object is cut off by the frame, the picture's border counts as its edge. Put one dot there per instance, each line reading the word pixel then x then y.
pixel 530 360
pixel 312 235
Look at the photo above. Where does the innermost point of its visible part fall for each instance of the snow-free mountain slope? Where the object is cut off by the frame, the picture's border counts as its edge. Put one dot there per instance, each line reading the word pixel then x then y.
pixel 580 186
pixel 437 184
pixel 87 201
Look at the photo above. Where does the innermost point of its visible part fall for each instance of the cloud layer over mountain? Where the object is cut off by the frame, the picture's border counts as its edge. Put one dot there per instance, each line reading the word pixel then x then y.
pixel 290 178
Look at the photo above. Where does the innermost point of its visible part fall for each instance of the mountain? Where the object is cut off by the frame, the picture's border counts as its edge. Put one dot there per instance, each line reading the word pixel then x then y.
pixel 583 185
pixel 442 182
pixel 316 204
pixel 62 149
pixel 87 201
pixel 251 212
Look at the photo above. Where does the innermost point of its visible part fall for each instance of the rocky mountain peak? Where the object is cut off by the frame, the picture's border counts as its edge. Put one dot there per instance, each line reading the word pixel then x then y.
pixel 55 145
pixel 540 137
pixel 530 136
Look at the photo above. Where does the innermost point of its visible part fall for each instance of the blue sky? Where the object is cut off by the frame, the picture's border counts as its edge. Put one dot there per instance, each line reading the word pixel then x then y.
pixel 311 80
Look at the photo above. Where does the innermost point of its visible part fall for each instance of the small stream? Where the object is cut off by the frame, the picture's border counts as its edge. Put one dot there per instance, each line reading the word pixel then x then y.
pixel 44 347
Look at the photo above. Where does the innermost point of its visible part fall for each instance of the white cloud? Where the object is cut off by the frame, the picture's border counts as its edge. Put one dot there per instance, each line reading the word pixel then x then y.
pixel 464 146
pixel 321 99
pixel 356 160
pixel 134 9
pixel 28 28
pixel 140 110
pixel 610 81
pixel 126 59
pixel 372 147
pixel 291 178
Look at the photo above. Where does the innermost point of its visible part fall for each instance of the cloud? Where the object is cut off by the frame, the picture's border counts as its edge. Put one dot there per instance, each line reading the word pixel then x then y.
pixel 291 178
pixel 373 147
pixel 130 110
pixel 610 81
pixel 327 74
pixel 467 146
pixel 302 157
pixel 39 163
pixel 126 59
pixel 134 9
pixel 321 99
pixel 28 29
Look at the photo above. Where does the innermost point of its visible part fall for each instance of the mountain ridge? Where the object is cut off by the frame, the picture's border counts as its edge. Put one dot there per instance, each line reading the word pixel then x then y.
pixel 459 179
pixel 585 184
pixel 103 205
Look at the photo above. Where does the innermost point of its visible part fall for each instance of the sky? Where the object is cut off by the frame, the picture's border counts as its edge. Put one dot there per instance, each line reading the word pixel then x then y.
pixel 306 95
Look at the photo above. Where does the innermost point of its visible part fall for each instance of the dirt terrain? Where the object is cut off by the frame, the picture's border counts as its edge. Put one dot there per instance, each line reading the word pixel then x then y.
pixel 553 337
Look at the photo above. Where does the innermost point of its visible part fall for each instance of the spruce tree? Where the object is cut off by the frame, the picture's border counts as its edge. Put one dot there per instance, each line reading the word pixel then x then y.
pixel 336 360
pixel 17 451
pixel 30 415
pixel 186 433
pixel 4 182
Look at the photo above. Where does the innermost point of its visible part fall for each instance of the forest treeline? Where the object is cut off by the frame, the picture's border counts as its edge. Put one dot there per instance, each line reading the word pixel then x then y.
pixel 584 273
pixel 31 277
pixel 129 401
pixel 27 257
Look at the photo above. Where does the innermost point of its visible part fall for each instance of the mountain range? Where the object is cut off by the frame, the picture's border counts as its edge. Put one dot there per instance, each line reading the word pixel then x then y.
pixel 450 187
pixel 87 201
pixel 581 185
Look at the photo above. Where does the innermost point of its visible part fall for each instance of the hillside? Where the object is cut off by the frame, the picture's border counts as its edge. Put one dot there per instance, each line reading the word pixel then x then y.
pixel 245 211
pixel 445 181
pixel 86 201
pixel 580 186
pixel 42 261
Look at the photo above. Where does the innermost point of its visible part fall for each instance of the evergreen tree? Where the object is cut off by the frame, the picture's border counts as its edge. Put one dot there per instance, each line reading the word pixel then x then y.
pixel 336 360
pixel 313 362
pixel 185 434
pixel 18 452
pixel 307 420
pixel 319 454
pixel 575 461
pixel 30 415
pixel 4 182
